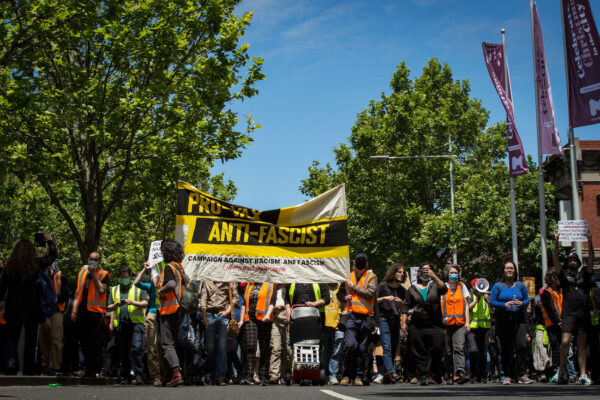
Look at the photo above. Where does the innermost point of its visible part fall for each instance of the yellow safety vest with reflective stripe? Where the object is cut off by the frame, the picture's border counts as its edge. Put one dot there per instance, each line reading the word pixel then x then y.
pixel 316 289
pixel 136 314
pixel 480 315
pixel 359 304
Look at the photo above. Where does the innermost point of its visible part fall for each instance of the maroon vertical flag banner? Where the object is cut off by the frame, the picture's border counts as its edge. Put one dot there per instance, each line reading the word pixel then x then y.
pixel 582 48
pixel 549 137
pixel 494 59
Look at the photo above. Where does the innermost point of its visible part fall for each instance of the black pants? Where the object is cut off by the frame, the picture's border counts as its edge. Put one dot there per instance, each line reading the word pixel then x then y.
pixel 12 341
pixel 513 339
pixel 427 343
pixel 89 328
pixel 169 328
pixel 593 364
pixel 554 336
pixel 478 340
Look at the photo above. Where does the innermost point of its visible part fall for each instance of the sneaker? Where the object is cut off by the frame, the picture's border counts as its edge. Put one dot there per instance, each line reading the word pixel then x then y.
pixel 157 382
pixel 506 381
pixel 345 381
pixel 247 381
pixel 388 378
pixel 424 381
pixel 124 381
pixel 333 381
pixel 139 380
pixel 358 382
pixel 525 380
pixel 413 380
pixel 584 380
pixel 274 381
pixel 462 378
pixel 554 378
pixel 378 379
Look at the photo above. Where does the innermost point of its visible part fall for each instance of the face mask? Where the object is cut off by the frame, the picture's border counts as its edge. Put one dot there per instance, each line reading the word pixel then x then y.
pixel 93 263
pixel 454 277
pixel 572 266
pixel 125 281
pixel 425 279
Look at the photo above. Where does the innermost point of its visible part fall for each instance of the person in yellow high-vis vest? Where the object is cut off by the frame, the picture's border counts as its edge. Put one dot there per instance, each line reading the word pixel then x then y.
pixel 479 335
pixel 127 305
pixel 360 303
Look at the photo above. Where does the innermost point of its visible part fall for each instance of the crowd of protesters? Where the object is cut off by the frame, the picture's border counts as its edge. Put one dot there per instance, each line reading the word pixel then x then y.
pixel 436 329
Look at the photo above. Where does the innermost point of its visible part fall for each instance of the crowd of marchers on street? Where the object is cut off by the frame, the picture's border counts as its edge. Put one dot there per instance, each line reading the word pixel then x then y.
pixel 153 325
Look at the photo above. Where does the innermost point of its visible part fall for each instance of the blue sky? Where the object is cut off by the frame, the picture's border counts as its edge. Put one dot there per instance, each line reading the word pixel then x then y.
pixel 325 60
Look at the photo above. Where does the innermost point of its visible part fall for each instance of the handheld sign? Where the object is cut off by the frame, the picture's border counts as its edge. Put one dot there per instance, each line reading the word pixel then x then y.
pixel 155 255
pixel 573 231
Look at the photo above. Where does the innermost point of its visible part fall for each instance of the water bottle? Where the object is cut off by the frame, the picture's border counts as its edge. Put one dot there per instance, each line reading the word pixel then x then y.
pixel 514 308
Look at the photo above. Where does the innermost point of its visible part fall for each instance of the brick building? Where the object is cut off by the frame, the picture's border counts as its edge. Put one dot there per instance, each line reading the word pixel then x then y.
pixel 556 171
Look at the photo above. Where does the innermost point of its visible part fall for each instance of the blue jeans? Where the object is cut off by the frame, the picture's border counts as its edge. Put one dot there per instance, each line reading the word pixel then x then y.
pixel 332 344
pixel 216 343
pixel 389 331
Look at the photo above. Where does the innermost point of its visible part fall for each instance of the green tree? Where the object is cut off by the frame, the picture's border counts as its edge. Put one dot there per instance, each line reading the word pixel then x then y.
pixel 399 210
pixel 106 104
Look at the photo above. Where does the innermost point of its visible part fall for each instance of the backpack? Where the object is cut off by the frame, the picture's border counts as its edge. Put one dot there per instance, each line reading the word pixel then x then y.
pixel 48 300
pixel 189 301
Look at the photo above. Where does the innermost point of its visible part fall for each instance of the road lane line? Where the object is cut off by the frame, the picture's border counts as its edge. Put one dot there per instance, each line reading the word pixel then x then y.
pixel 339 396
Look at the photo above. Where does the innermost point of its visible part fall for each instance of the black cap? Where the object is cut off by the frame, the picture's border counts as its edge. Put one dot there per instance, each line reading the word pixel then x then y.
pixel 124 268
pixel 361 255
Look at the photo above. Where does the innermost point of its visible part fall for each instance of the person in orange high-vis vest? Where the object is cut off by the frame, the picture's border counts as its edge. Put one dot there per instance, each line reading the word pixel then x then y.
pixel 552 299
pixel 51 340
pixel 89 309
pixel 256 318
pixel 170 313
pixel 360 303
pixel 455 315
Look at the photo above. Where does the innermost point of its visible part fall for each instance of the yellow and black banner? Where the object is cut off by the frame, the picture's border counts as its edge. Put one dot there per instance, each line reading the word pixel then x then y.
pixel 225 242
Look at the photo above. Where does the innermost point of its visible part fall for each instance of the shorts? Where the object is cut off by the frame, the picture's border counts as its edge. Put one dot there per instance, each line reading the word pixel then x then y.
pixel 576 325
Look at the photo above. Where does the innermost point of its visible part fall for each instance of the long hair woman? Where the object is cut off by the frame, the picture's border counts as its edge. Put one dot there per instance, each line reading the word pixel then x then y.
pixel 22 307
pixel 509 297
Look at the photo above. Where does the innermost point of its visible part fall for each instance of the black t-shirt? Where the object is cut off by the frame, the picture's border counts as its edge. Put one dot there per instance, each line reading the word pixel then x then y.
pixel 304 292
pixel 390 308
pixel 576 290
pixel 86 287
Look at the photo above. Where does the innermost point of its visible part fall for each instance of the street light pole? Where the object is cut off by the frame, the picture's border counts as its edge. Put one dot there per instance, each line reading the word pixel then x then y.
pixel 451 157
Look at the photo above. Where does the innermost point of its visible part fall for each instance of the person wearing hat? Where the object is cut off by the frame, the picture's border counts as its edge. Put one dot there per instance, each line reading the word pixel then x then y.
pixel 360 300
pixel 576 285
pixel 127 303
pixel 478 337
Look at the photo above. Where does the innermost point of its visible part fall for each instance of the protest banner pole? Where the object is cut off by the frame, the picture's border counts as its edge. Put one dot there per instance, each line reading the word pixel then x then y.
pixel 542 200
pixel 572 148
pixel 513 209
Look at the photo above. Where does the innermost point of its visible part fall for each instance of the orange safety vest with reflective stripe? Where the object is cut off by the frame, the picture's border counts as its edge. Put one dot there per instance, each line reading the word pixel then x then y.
pixel 56 280
pixel 168 303
pixel 359 304
pixel 96 301
pixel 262 303
pixel 557 299
pixel 454 306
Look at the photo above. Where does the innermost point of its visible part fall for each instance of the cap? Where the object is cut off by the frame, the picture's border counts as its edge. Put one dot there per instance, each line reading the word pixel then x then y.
pixel 124 268
pixel 361 255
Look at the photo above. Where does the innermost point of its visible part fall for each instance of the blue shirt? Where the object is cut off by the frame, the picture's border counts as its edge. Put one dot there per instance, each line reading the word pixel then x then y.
pixel 501 294
pixel 151 289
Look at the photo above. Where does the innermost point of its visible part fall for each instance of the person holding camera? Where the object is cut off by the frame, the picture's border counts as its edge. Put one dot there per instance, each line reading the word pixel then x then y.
pixel 89 308
pixel 426 329
pixel 127 305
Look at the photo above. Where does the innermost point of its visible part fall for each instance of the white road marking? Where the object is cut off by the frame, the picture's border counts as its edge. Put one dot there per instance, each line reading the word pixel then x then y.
pixel 339 396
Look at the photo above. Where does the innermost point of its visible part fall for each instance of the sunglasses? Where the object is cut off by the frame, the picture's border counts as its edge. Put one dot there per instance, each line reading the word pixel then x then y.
pixel 94 259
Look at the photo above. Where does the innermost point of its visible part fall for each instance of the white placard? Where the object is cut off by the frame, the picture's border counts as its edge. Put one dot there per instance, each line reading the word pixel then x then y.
pixel 413 274
pixel 155 256
pixel 573 231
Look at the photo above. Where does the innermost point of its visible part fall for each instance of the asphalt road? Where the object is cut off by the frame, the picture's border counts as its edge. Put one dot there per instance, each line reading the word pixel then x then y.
pixel 468 391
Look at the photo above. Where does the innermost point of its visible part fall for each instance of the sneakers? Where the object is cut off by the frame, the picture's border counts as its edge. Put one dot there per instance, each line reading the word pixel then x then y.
pixel 584 380
pixel 525 380
pixel 274 381
pixel 413 380
pixel 157 382
pixel 333 381
pixel 345 381
pixel 424 381
pixel 554 379
pixel 388 378
pixel 462 378
pixel 247 381
pixel 358 382
pixel 506 381
pixel 378 379
pixel 139 380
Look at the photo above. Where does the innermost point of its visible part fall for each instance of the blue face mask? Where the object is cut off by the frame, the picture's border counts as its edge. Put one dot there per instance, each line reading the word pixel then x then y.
pixel 453 277
pixel 425 278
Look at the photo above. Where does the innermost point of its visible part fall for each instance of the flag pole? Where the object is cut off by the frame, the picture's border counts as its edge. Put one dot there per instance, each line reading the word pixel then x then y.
pixel 513 209
pixel 542 200
pixel 572 148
